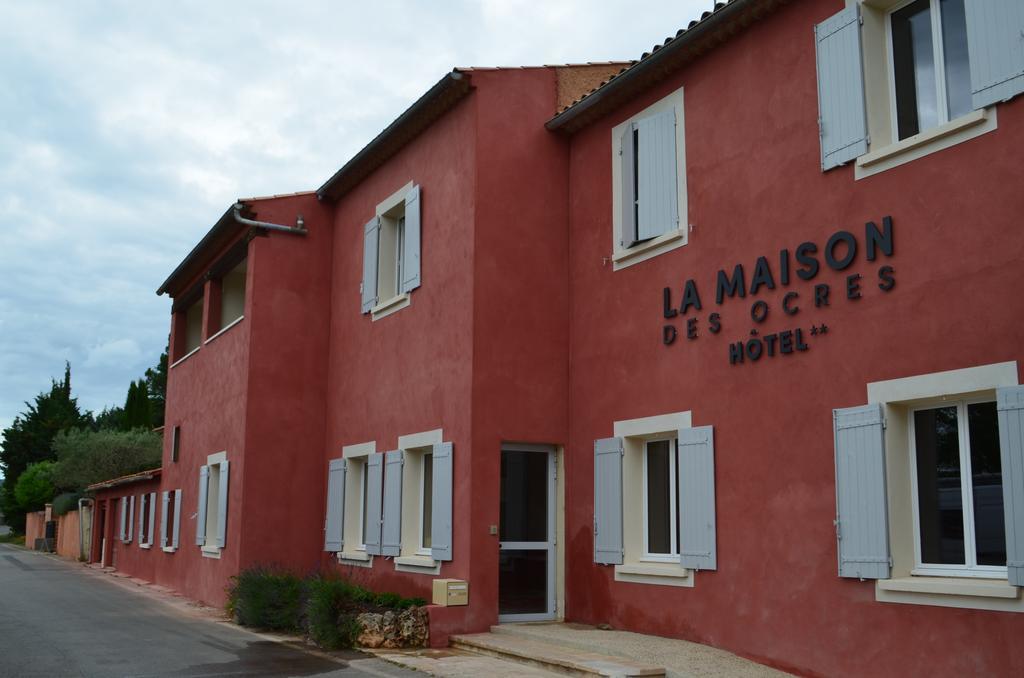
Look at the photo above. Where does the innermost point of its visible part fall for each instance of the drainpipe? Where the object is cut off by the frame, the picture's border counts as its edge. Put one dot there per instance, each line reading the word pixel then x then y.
pixel 81 529
pixel 298 229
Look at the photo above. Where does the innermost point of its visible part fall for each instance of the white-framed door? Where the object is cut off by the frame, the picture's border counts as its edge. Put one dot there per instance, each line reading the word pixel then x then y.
pixel 526 560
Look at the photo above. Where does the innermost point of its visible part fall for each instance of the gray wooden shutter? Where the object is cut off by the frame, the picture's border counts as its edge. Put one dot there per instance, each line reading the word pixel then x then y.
pixel 177 518
pixel 334 523
pixel 608 501
pixel 411 252
pixel 152 517
pixel 627 158
pixel 1010 404
pixel 131 518
pixel 862 521
pixel 442 502
pixel 204 486
pixel 124 517
pixel 164 502
pixel 371 243
pixel 142 519
pixel 995 45
pixel 391 530
pixel 696 496
pixel 222 508
pixel 842 110
pixel 374 485
pixel 659 195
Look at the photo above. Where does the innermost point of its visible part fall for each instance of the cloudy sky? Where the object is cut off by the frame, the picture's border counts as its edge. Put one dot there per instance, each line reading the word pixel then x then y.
pixel 126 130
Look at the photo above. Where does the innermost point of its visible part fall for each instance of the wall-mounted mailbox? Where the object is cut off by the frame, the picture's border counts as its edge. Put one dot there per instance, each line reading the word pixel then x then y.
pixel 449 592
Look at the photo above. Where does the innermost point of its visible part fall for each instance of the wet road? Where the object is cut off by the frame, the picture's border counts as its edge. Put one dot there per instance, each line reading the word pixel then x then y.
pixel 59 619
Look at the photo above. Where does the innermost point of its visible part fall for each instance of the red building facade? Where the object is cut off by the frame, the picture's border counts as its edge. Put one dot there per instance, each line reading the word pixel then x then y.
pixel 640 356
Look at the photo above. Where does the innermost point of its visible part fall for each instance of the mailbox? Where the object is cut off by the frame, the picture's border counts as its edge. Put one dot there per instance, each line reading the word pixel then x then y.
pixel 448 592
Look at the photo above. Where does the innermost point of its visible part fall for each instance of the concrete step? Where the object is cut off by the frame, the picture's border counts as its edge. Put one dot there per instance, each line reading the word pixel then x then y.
pixel 552 657
pixel 453 663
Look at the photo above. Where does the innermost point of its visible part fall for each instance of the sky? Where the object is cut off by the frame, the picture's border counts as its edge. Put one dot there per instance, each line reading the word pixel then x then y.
pixel 128 128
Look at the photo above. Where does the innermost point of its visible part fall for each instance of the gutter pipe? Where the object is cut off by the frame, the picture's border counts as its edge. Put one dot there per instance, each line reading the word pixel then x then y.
pixel 298 229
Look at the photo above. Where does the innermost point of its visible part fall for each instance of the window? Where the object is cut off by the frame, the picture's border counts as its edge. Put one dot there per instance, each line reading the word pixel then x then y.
pixel 363 496
pixel 170 521
pixel 147 516
pixel 661 510
pixel 127 518
pixel 347 523
pixel 920 473
pixel 193 334
pixel 959 490
pixel 175 443
pixel 654 530
pixel 417 503
pixel 648 183
pixel 426 499
pixel 900 79
pixel 931 77
pixel 211 515
pixel 232 295
pixel 391 253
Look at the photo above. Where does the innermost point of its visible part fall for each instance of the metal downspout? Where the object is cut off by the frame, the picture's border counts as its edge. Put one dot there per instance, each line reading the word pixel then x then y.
pixel 298 229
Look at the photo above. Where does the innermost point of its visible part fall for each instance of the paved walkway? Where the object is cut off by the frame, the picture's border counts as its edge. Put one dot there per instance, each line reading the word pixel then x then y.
pixel 61 619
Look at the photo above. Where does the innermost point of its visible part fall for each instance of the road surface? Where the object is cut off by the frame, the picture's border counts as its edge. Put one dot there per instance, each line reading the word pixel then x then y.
pixel 60 619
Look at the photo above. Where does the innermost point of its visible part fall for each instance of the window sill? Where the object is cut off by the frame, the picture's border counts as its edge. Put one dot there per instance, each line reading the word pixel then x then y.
pixel 185 357
pixel 938 138
pixel 953 586
pixel 210 551
pixel 658 574
pixel 652 248
pixel 169 549
pixel 145 546
pixel 392 305
pixel 355 558
pixel 224 329
pixel 418 563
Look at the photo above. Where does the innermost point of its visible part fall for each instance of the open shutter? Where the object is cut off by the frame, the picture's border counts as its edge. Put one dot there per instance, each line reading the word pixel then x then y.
pixel 842 110
pixel 411 252
pixel 995 46
pixel 862 522
pixel 143 501
pixel 656 165
pixel 131 518
pixel 177 518
pixel 124 517
pixel 391 532
pixel 1010 404
pixel 608 501
pixel 222 506
pixel 374 485
pixel 371 242
pixel 627 157
pixel 334 523
pixel 164 503
pixel 204 486
pixel 152 517
pixel 441 508
pixel 696 496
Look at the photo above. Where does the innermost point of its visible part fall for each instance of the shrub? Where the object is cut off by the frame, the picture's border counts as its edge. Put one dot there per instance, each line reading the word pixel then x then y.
pixel 63 503
pixel 266 598
pixel 331 613
pixel 35 486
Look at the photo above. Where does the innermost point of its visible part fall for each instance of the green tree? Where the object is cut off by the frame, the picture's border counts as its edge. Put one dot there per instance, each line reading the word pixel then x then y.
pixel 156 384
pixel 35 486
pixel 29 439
pixel 85 457
pixel 137 411
pixel 110 418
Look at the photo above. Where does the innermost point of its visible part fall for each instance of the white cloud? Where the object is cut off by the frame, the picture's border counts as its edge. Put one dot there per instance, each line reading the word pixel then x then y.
pixel 116 352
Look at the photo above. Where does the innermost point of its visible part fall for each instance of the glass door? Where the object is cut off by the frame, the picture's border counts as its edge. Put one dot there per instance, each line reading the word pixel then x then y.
pixel 526 576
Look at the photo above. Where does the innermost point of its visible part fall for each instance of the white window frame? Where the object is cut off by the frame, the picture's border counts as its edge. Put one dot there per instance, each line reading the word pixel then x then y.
pixel 354 549
pixel 363 480
pixel 413 556
pixel 673 555
pixel 420 548
pixel 391 213
pixel 210 549
pixel 624 257
pixel 971 568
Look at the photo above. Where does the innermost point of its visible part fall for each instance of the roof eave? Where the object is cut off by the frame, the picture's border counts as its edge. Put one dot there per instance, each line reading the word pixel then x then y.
pixel 655 67
pixel 219 234
pixel 435 102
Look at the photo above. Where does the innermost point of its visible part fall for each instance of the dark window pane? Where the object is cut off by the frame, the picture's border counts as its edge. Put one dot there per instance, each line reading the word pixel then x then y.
pixel 939 497
pixel 987 484
pixel 522 582
pixel 914 69
pixel 524 496
pixel 659 518
pixel 954 53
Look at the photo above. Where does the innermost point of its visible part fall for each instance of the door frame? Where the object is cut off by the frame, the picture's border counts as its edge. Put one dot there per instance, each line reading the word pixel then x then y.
pixel 551 545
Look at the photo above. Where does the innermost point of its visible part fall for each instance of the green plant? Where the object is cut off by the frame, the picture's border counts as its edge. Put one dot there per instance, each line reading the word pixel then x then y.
pixel 63 503
pixel 331 623
pixel 34 487
pixel 266 598
pixel 12 538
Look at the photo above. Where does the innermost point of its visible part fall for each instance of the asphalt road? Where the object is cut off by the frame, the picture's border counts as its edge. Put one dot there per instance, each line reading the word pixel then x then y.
pixel 60 619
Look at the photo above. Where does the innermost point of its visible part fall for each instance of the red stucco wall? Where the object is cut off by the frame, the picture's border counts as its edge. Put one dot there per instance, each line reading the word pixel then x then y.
pixel 755 186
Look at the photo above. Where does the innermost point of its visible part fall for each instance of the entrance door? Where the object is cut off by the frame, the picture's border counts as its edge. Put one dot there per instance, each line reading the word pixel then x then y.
pixel 526 576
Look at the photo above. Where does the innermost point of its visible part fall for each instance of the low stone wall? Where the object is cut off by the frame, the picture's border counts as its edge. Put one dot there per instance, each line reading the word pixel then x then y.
pixel 68 537
pixel 35 528
pixel 408 628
